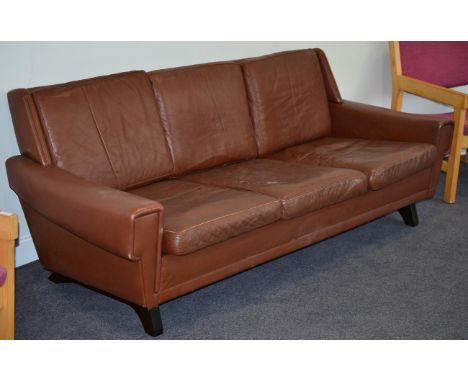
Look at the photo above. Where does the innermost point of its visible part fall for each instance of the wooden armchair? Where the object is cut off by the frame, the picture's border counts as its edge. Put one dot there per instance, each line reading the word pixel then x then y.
pixel 429 69
pixel 8 235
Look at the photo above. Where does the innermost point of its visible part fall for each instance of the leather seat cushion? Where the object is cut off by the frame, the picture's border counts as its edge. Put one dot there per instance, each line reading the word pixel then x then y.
pixel 384 162
pixel 196 216
pixel 301 188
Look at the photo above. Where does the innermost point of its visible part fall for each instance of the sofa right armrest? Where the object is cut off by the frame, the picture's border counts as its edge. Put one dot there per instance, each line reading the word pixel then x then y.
pixel 357 120
pixel 103 216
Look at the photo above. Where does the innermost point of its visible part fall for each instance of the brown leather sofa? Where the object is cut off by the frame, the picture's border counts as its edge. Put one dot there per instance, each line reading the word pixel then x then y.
pixel 147 186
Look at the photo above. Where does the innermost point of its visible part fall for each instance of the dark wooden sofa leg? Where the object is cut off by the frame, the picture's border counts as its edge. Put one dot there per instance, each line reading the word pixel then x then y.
pixel 150 318
pixel 57 278
pixel 410 215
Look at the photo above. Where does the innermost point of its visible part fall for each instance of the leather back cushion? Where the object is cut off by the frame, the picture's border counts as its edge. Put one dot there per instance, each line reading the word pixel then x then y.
pixel 106 129
pixel 205 114
pixel 287 98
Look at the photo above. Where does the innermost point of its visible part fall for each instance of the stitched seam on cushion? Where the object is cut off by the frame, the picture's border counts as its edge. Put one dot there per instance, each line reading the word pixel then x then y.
pixel 173 196
pixel 44 151
pixel 404 163
pixel 164 119
pixel 253 103
pixel 319 189
pixel 322 157
pixel 188 67
pixel 140 259
pixel 90 242
pixel 177 233
pixel 414 195
pixel 323 160
pixel 272 55
pixel 99 134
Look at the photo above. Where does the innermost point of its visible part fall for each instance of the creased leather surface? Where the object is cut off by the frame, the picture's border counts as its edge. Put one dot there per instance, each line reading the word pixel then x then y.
pixel 63 252
pixel 196 216
pixel 101 215
pixel 301 188
pixel 205 115
pixel 333 93
pixel 28 129
pixel 106 129
pixel 357 120
pixel 287 99
pixel 182 274
pixel 384 162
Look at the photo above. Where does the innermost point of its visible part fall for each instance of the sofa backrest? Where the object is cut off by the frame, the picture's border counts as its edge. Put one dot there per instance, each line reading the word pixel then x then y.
pixel 105 129
pixel 205 115
pixel 129 129
pixel 288 99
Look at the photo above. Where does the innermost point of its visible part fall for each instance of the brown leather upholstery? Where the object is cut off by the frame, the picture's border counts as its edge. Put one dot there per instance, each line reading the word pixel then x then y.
pixel 357 120
pixel 384 162
pixel 95 155
pixel 106 129
pixel 183 274
pixel 287 98
pixel 103 215
pixel 28 129
pixel 205 115
pixel 333 93
pixel 300 188
pixel 196 216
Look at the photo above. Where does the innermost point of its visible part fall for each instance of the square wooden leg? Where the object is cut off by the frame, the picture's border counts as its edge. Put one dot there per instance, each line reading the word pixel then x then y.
pixel 8 235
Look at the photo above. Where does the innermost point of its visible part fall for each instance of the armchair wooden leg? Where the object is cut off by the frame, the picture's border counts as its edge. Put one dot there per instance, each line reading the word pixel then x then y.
pixel 410 215
pixel 8 235
pixel 454 159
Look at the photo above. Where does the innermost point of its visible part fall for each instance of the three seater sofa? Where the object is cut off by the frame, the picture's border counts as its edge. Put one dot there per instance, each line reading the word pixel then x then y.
pixel 149 185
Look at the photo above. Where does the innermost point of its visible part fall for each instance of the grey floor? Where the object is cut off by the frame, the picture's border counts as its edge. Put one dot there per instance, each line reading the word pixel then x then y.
pixel 383 280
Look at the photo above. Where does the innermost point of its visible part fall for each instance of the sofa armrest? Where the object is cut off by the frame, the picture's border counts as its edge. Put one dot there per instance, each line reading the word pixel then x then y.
pixel 357 120
pixel 103 216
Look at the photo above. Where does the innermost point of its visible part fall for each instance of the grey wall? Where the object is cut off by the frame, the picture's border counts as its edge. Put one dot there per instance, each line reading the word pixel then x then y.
pixel 361 69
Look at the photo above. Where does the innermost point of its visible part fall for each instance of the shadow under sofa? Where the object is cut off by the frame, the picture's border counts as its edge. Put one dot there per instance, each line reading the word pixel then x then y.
pixel 147 186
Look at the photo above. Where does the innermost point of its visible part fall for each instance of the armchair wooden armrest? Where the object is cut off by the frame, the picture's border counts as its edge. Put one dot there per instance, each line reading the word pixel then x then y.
pixel 432 92
pixel 8 235
pixel 459 101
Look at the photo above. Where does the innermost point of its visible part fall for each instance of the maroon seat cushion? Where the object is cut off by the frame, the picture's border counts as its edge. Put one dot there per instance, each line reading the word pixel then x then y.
pixel 384 162
pixel 301 188
pixel 3 275
pixel 196 216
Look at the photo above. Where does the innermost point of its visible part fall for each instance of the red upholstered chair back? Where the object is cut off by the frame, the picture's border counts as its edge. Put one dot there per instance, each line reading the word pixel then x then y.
pixel 443 63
